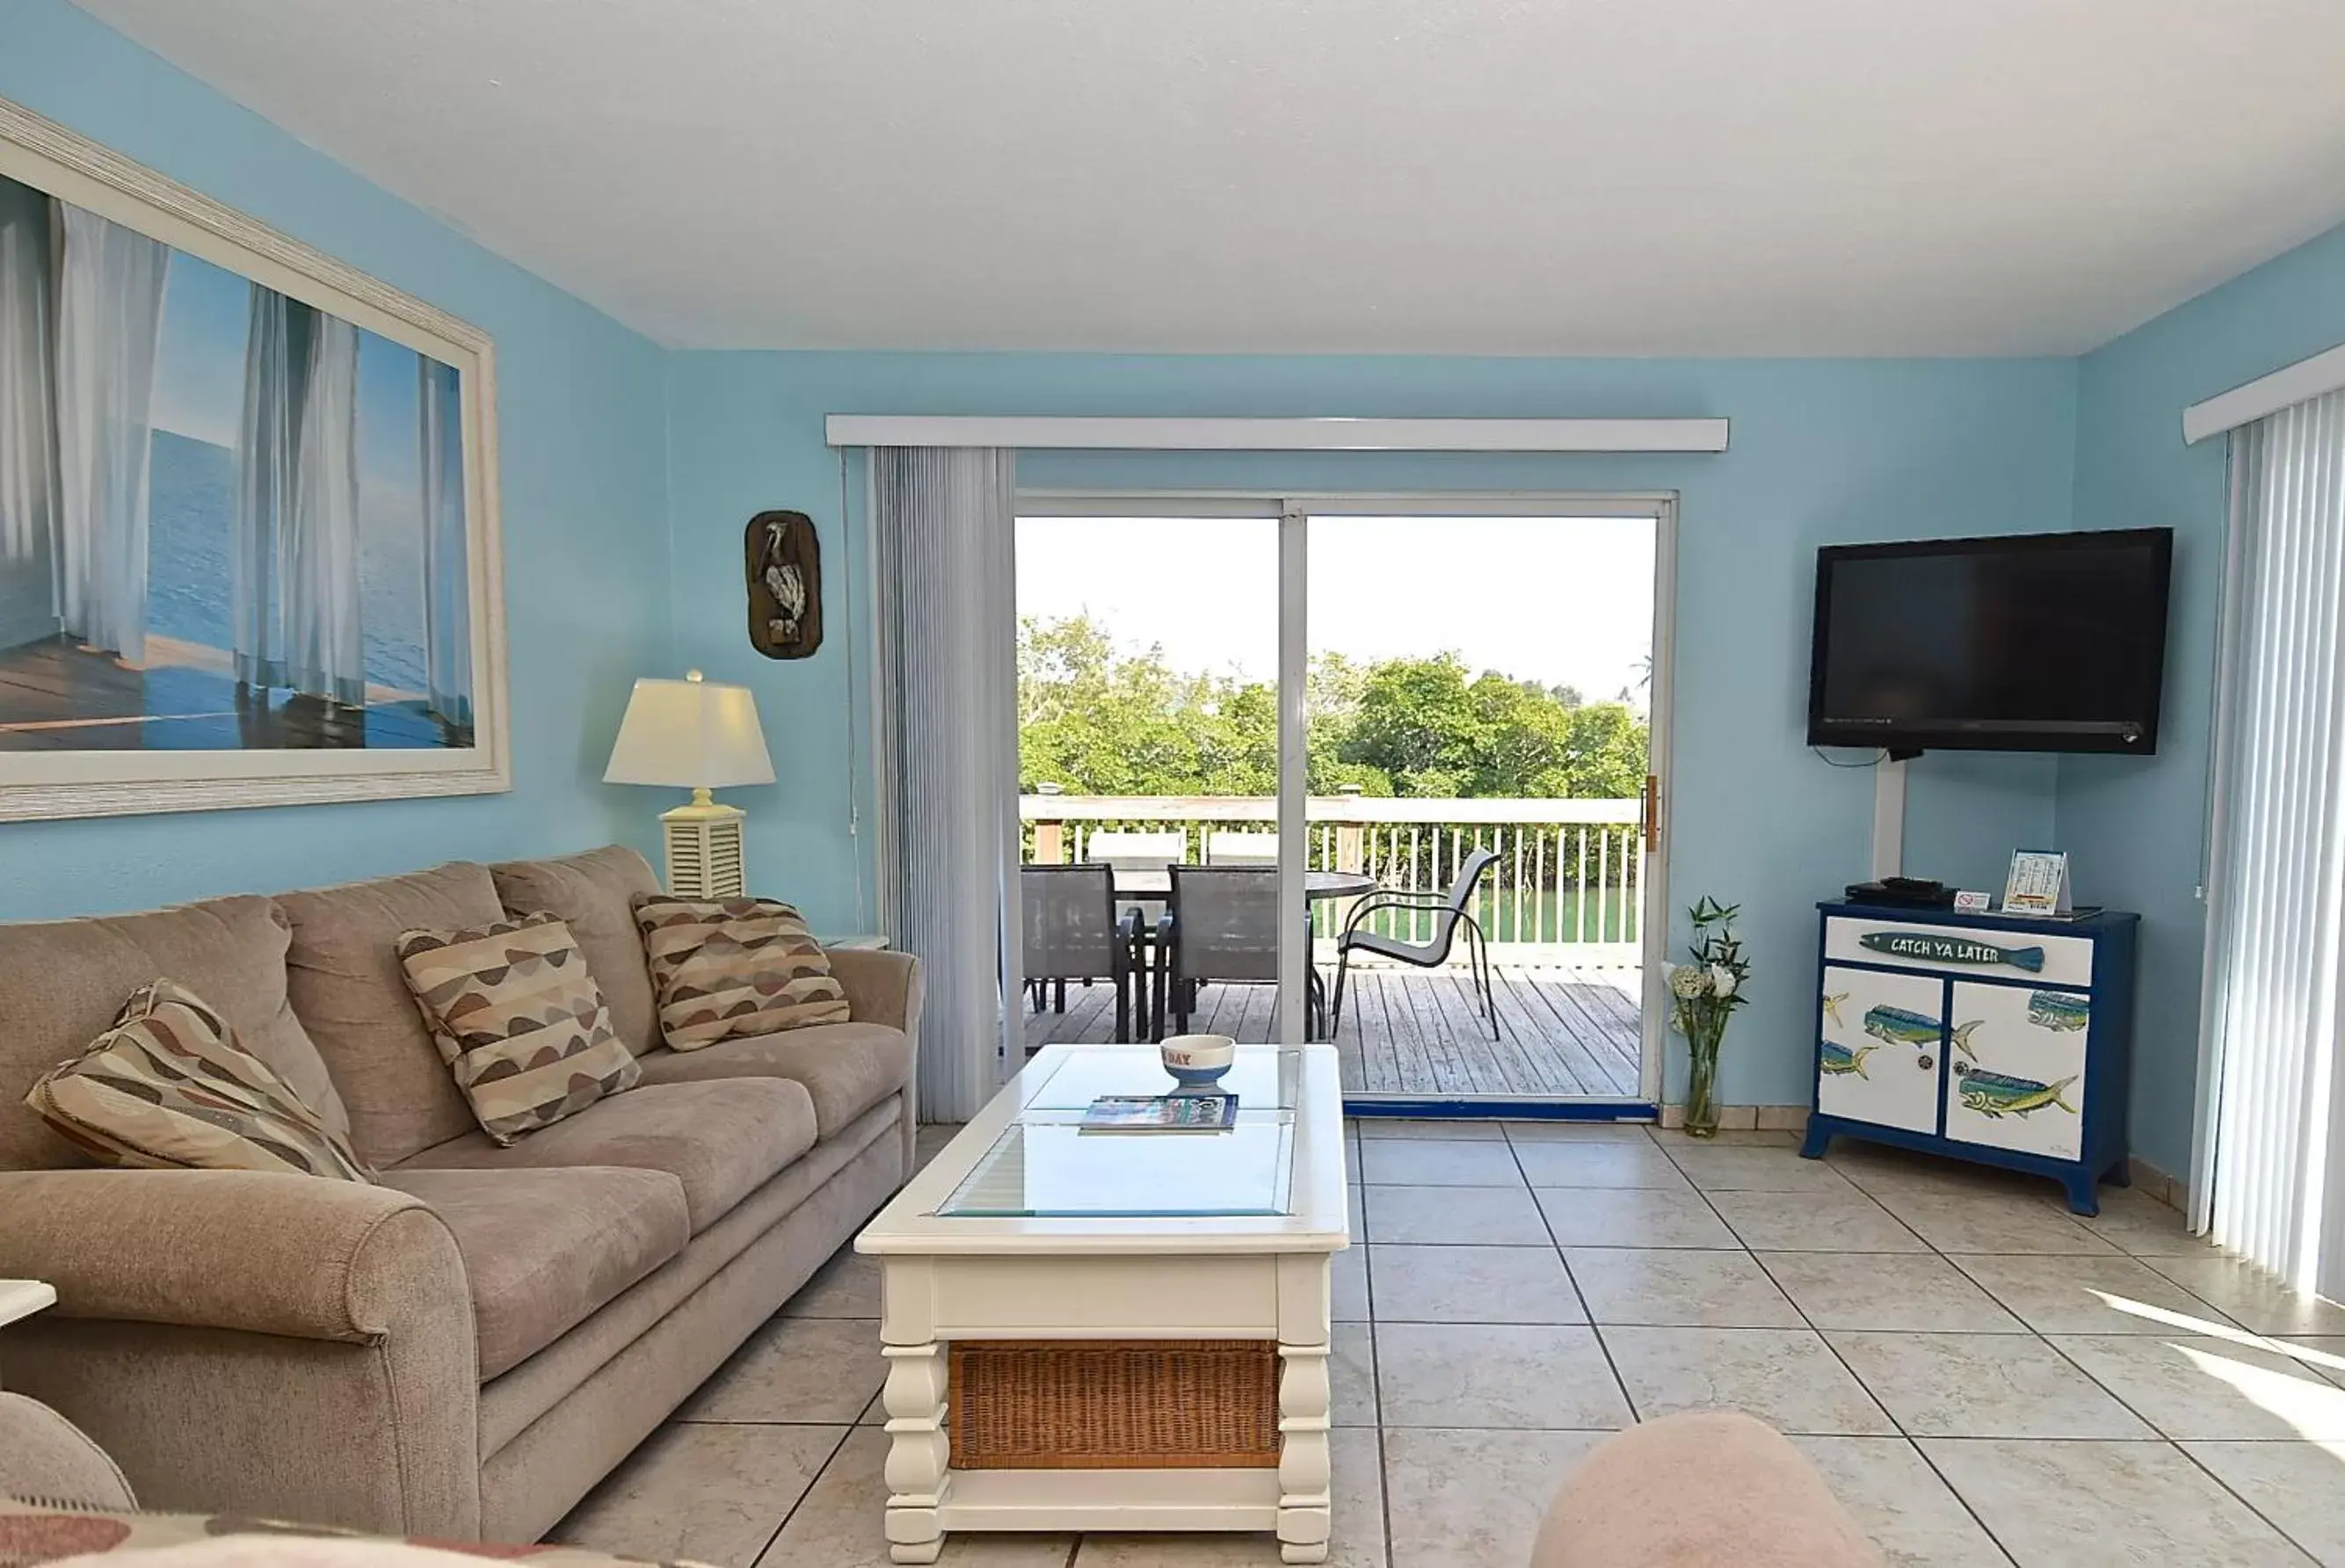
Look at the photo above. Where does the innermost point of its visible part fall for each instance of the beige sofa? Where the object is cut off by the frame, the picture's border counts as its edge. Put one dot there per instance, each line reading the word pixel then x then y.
pixel 466 1350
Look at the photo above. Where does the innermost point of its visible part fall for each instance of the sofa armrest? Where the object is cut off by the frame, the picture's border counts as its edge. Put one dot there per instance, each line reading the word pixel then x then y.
pixel 884 987
pixel 283 1345
pixel 291 1254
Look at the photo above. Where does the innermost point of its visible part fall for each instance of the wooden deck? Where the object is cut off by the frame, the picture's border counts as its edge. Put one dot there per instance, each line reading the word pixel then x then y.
pixel 56 696
pixel 1563 1032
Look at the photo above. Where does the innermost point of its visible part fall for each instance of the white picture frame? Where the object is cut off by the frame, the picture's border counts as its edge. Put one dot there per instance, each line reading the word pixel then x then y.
pixel 66 783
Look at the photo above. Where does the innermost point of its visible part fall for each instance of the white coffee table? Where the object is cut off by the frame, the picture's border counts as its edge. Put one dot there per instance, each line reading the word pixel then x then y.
pixel 1025 1228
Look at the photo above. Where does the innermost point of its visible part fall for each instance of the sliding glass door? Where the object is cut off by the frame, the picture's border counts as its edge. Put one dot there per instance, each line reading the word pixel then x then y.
pixel 1411 752
pixel 1149 658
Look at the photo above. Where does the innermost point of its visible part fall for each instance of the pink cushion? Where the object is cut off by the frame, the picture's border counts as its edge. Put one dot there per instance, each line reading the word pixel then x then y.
pixel 1704 1490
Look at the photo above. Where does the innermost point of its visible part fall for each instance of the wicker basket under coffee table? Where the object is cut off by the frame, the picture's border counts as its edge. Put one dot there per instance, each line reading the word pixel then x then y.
pixel 1125 1331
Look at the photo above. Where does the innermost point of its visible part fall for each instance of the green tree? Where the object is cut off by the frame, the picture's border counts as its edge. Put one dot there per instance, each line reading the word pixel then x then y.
pixel 1096 721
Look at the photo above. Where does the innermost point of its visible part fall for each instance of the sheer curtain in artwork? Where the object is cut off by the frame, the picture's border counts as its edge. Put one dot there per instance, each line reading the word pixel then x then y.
pixel 325 646
pixel 295 605
pixel 29 472
pixel 447 578
pixel 276 361
pixel 109 318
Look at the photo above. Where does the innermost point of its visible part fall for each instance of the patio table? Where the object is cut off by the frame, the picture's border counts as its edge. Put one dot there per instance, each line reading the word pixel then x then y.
pixel 1155 885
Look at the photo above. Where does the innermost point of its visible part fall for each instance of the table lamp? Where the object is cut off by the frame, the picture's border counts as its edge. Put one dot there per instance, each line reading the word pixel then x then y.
pixel 697 734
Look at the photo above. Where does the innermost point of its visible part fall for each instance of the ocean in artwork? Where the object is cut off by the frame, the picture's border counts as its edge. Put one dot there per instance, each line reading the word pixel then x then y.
pixel 191 490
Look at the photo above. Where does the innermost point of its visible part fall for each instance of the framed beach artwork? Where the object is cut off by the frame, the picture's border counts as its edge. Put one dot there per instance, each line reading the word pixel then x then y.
pixel 248 545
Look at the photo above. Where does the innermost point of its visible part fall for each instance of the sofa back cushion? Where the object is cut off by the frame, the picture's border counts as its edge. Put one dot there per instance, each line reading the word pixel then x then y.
pixel 593 894
pixel 63 982
pixel 342 973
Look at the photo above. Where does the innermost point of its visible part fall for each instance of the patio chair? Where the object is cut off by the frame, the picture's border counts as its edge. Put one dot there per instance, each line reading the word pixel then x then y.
pixel 1450 916
pixel 1223 848
pixel 1148 852
pixel 1072 933
pixel 1220 926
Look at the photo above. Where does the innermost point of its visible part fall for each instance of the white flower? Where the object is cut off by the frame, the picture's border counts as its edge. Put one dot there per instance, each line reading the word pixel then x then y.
pixel 1689 981
pixel 1722 980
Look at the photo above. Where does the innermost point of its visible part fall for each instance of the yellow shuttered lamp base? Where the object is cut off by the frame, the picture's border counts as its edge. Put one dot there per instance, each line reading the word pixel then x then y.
pixel 704 849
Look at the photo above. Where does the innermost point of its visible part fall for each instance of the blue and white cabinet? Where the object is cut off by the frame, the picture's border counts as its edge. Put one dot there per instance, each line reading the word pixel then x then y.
pixel 2004 1041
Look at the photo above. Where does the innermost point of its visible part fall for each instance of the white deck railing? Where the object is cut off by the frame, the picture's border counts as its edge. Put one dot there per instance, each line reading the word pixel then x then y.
pixel 1565 889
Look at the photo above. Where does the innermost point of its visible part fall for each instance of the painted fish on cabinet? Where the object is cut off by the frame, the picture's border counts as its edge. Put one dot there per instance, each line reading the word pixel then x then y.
pixel 1832 999
pixel 1903 1026
pixel 1840 1060
pixel 2002 1094
pixel 1952 950
pixel 2058 1010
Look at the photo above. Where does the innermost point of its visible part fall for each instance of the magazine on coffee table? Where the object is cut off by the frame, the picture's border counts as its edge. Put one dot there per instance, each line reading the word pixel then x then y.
pixel 1160 1114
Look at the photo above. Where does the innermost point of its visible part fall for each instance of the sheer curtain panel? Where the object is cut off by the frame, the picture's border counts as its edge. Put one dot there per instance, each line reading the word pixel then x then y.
pixel 28 433
pixel 27 376
pixel 447 603
pixel 323 640
pixel 2275 881
pixel 109 322
pixel 947 692
pixel 276 365
pixel 294 602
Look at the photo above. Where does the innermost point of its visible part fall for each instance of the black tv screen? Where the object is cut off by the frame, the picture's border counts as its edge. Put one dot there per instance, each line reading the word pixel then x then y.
pixel 2042 641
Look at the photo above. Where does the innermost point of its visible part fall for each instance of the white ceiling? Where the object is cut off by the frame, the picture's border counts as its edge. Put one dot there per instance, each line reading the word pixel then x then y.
pixel 1517 177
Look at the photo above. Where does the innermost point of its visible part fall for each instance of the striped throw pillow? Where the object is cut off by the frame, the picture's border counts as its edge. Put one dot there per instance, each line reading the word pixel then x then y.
pixel 518 1019
pixel 724 968
pixel 167 1085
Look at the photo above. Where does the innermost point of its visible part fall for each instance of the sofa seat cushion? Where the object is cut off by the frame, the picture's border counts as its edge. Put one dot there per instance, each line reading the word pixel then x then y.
pixel 593 894
pixel 543 1249
pixel 847 1068
pixel 719 1139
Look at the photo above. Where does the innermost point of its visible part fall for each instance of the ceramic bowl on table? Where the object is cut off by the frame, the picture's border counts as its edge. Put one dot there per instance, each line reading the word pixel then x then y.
pixel 1198 1061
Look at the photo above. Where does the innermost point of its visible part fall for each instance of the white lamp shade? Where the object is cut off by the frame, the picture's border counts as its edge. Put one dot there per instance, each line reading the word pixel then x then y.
pixel 691 735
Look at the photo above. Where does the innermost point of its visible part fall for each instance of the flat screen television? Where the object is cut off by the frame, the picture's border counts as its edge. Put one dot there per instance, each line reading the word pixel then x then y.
pixel 2037 642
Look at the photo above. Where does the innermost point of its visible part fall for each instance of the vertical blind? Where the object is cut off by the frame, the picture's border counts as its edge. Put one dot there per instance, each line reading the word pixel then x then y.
pixel 2277 868
pixel 949 694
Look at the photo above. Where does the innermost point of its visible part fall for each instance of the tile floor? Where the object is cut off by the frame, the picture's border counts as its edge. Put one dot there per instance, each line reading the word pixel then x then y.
pixel 1983 1379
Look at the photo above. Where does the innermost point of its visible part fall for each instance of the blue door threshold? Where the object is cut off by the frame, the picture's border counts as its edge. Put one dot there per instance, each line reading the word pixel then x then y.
pixel 1493 1107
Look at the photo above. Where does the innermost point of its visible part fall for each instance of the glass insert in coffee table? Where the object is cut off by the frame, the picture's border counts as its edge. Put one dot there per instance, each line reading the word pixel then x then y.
pixel 1046 1165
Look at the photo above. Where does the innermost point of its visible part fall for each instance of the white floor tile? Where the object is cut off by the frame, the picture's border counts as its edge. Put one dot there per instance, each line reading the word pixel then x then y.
pixel 1552 1376
pixel 1982 1385
pixel 1788 1378
pixel 1898 1501
pixel 2105 1505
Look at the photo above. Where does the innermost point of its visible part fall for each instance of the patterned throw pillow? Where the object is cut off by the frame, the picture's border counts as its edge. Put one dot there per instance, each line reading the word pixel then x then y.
pixel 515 1014
pixel 730 967
pixel 167 1085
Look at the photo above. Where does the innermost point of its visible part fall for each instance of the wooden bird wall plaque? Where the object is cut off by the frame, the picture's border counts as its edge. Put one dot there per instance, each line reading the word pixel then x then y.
pixel 784 565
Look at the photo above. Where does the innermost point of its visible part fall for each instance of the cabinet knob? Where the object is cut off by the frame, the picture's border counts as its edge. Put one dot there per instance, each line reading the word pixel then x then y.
pixel 1925 1061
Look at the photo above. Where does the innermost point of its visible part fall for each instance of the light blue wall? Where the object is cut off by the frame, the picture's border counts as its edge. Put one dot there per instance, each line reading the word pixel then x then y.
pixel 2133 827
pixel 1823 452
pixel 583 425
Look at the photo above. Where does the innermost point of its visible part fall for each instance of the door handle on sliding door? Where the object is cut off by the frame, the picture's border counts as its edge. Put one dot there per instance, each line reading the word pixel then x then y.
pixel 1652 812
